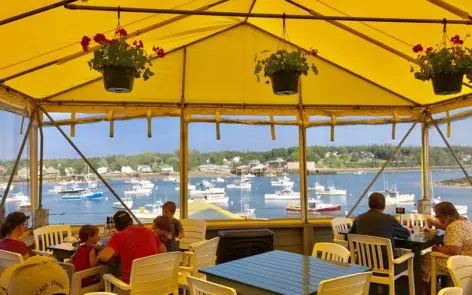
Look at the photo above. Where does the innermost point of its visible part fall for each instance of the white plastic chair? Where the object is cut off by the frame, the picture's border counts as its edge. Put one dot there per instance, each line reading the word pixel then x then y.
pixel 152 275
pixel 331 252
pixel 369 251
pixel 202 287
pixel 75 278
pixel 8 258
pixel 356 284
pixel 415 219
pixel 50 235
pixel 435 272
pixel 339 224
pixel 451 291
pixel 195 231
pixel 202 256
pixel 460 268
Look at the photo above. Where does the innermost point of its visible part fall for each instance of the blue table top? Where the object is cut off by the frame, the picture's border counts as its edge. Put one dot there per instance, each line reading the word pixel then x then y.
pixel 282 272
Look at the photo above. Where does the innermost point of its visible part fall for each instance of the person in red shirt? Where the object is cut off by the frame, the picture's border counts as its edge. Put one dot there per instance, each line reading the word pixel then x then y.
pixel 11 231
pixel 86 255
pixel 130 243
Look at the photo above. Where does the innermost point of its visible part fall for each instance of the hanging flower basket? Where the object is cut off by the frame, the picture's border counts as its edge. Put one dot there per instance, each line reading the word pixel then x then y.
pixel 447 83
pixel 120 62
pixel 283 69
pixel 285 82
pixel 118 79
pixel 445 66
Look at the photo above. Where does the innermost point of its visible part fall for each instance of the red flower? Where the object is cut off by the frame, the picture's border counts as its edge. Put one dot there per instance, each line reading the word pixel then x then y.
pixel 159 51
pixel 141 45
pixel 112 41
pixel 85 43
pixel 100 39
pixel 314 52
pixel 429 50
pixel 122 32
pixel 417 48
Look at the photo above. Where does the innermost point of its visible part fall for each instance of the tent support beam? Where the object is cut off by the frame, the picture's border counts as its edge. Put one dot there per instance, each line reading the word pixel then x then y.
pixel 424 205
pixel 264 15
pixel 41 164
pixel 35 11
pixel 390 158
pixel 451 150
pixel 17 161
pixel 90 165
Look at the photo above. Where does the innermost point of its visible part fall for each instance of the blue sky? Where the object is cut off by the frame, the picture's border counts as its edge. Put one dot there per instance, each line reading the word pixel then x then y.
pixel 131 137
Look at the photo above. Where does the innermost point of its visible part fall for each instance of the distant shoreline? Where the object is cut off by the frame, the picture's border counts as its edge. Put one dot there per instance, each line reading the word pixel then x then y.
pixel 321 171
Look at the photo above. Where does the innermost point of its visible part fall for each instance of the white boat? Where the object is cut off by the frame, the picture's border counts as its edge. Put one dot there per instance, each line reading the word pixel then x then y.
pixel 171 179
pixel 75 188
pixel 206 184
pixel 285 194
pixel 144 184
pixel 282 181
pixel 18 197
pixel 84 195
pixel 360 172
pixel 91 184
pixel 3 187
pixel 243 183
pixel 127 200
pixel 462 209
pixel 138 191
pixel 132 181
pixel 190 187
pixel 57 188
pixel 25 206
pixel 314 207
pixel 147 213
pixel 220 180
pixel 393 196
pixel 317 187
pixel 211 198
pixel 332 191
pixel 248 176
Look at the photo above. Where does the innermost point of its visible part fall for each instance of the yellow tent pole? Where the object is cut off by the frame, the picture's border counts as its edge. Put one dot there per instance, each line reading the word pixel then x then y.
pixel 448 124
pixel 72 125
pixel 333 123
pixel 218 119
pixel 112 124
pixel 272 127
pixel 394 125
pixel 183 165
pixel 149 123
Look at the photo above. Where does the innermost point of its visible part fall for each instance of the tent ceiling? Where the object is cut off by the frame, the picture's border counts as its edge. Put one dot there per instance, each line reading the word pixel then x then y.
pixel 211 57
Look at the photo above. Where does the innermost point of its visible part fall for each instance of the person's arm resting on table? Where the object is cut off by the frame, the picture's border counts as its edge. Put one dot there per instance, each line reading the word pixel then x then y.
pixel 108 252
pixel 353 229
pixel 399 231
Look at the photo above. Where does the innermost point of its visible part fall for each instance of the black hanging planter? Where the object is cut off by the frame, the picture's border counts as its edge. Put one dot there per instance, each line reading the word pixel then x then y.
pixel 118 79
pixel 447 83
pixel 285 82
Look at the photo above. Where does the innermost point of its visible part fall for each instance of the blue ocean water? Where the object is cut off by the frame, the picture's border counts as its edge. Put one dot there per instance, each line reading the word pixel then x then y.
pixel 95 211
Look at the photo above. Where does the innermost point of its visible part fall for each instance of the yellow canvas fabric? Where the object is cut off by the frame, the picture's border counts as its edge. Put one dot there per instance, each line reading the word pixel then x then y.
pixel 361 64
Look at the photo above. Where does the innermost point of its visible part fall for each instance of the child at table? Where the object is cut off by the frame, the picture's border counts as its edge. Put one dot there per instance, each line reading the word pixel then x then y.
pixel 168 210
pixel 86 255
pixel 162 227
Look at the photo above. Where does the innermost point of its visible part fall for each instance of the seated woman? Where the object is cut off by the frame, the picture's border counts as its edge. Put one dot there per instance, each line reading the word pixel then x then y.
pixel 457 239
pixel 11 231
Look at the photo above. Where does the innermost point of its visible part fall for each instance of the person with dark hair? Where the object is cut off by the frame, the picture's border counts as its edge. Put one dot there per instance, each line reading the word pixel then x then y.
pixel 168 210
pixel 457 239
pixel 376 223
pixel 129 243
pixel 162 227
pixel 86 255
pixel 11 231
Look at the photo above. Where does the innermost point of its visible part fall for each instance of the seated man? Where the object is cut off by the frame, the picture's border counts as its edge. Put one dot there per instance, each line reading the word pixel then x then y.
pixel 376 223
pixel 130 243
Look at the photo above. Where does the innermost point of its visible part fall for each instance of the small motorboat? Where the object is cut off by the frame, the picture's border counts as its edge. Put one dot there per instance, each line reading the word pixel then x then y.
pixel 331 191
pixel 190 187
pixel 147 213
pixel 73 190
pixel 220 180
pixel 285 194
pixel 244 183
pixel 3 187
pixel 18 197
pixel 314 206
pixel 282 181
pixel 171 179
pixel 127 200
pixel 138 191
pixel 317 187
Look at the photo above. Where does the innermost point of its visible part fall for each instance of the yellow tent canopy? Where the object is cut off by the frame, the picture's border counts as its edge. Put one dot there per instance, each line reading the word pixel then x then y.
pixel 364 66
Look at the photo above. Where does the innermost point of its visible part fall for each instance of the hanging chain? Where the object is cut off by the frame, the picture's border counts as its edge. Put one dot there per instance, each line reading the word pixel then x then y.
pixel 444 38
pixel 118 27
pixel 284 36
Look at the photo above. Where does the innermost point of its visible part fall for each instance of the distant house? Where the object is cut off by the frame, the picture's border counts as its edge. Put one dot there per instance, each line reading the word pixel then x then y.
pixel 69 171
pixel 466 158
pixel 23 173
pixel 277 164
pixel 144 168
pixel 127 169
pixel 243 169
pixel 253 163
pixel 51 172
pixel 258 169
pixel 331 154
pixel 167 169
pixel 295 166
pixel 2 169
pixel 102 170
